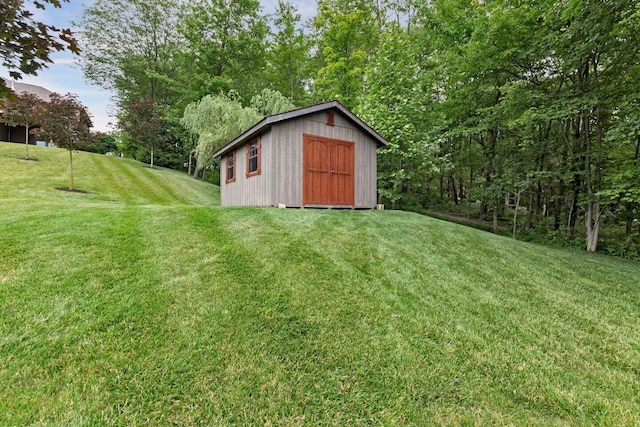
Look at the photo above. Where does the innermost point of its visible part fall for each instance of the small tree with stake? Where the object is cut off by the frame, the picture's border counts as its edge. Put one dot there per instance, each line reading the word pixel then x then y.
pixel 66 122
pixel 23 110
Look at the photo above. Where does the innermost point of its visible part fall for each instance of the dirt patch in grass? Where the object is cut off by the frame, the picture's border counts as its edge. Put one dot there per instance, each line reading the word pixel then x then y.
pixel 72 190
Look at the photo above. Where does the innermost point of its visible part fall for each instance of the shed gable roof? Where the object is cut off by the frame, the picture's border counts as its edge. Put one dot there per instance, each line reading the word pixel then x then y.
pixel 267 122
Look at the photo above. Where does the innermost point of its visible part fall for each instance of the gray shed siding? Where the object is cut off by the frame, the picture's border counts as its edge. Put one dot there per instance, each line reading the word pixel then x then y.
pixel 255 190
pixel 280 180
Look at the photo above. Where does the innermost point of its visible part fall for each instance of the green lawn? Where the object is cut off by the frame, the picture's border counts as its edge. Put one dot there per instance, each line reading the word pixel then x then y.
pixel 144 303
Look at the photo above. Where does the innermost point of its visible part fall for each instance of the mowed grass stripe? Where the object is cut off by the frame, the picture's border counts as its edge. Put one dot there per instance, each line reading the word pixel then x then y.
pixel 81 319
pixel 106 178
pixel 489 318
pixel 142 183
pixel 250 306
pixel 25 181
pixel 109 171
pixel 135 182
pixel 193 191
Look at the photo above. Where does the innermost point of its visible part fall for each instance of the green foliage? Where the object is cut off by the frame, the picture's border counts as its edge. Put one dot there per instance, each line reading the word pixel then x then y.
pixel 270 102
pixel 145 125
pixel 171 54
pixel 130 47
pixel 397 104
pixel 102 143
pixel 542 89
pixel 347 38
pixel 26 44
pixel 224 40
pixel 22 110
pixel 288 54
pixel 66 122
pixel 217 120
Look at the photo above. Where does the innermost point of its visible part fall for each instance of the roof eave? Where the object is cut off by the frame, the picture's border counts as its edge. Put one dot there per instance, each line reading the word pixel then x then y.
pixel 253 131
pixel 266 123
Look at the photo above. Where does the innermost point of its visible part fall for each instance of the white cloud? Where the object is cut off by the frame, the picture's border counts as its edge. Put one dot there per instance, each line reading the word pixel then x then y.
pixel 306 8
pixel 66 61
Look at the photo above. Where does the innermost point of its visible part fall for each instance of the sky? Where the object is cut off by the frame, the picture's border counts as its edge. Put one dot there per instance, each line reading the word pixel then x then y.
pixel 64 74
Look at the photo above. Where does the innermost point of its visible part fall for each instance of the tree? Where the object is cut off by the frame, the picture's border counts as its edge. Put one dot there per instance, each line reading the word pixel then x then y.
pixel 101 143
pixel 224 45
pixel 397 104
pixel 130 46
pixel 216 120
pixel 270 102
pixel 23 110
pixel 144 123
pixel 347 37
pixel 66 122
pixel 288 54
pixel 547 93
pixel 25 43
pixel 169 53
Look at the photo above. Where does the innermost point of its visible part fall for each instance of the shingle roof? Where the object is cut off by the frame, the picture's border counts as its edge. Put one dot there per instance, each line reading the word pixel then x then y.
pixel 267 122
pixel 19 88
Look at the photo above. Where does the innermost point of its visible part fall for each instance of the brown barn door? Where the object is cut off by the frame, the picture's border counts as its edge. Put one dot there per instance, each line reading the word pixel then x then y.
pixel 328 166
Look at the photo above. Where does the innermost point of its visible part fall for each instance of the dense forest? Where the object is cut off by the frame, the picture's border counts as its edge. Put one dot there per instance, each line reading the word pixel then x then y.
pixel 523 115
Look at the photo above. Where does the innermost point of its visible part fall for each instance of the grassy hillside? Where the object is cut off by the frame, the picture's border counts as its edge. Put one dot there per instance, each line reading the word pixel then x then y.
pixel 26 184
pixel 143 303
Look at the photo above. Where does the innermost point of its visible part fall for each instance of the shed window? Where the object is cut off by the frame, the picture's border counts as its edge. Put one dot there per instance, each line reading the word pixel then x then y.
pixel 231 167
pixel 331 118
pixel 253 158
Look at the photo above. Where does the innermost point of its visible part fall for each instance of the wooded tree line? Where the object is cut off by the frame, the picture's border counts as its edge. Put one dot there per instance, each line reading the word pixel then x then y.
pixel 524 113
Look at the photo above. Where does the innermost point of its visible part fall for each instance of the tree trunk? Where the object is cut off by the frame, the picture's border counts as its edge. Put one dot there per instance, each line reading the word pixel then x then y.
pixel 631 206
pixel 532 211
pixel 495 219
pixel 196 169
pixel 469 198
pixel 592 215
pixel 515 215
pixel 570 216
pixel 190 157
pixel 204 173
pixel 573 214
pixel 629 225
pixel 152 157
pixel 26 141
pixel 592 222
pixel 70 169
pixel 454 192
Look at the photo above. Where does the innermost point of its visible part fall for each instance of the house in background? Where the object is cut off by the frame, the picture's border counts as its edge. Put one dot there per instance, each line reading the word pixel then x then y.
pixel 318 156
pixel 17 133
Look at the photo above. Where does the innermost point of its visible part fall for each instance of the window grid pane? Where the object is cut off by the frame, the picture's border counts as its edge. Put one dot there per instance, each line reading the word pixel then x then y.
pixel 253 158
pixel 230 167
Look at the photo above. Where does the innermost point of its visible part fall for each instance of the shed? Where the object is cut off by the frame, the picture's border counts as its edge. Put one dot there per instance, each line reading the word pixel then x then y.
pixel 318 156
